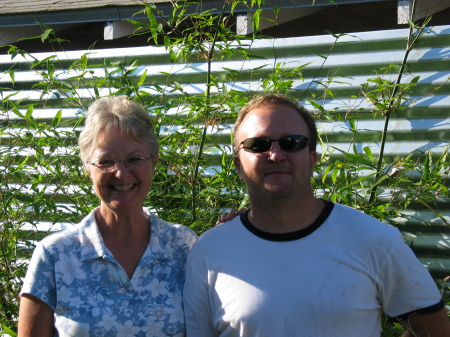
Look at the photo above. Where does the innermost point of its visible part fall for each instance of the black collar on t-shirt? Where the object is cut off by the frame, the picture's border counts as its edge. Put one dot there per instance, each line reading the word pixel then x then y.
pixel 291 235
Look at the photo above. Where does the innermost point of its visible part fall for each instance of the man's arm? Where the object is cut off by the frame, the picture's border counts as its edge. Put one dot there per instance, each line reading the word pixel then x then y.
pixel 427 325
pixel 197 309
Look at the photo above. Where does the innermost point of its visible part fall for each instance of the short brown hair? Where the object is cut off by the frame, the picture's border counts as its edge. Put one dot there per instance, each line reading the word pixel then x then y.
pixel 277 99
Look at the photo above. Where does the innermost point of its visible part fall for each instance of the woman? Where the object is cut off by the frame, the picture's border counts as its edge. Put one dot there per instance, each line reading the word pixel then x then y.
pixel 120 272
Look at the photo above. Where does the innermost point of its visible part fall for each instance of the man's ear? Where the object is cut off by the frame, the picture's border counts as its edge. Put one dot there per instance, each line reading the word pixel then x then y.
pixel 238 164
pixel 314 158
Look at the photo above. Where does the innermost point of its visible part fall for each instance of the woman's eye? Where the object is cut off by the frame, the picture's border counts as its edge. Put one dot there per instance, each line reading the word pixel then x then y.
pixel 134 160
pixel 105 162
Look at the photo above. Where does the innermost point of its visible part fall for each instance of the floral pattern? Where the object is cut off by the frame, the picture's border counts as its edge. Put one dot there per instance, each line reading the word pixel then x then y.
pixel 90 293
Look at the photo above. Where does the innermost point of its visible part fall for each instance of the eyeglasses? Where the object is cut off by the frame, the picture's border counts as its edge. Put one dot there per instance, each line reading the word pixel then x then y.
pixel 264 144
pixel 132 163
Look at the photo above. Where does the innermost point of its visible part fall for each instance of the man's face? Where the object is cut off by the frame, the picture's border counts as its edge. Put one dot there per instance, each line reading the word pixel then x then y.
pixel 275 174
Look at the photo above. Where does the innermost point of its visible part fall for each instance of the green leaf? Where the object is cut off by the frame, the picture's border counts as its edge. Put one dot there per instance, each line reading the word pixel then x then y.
pixel 29 117
pixel 316 105
pixel 359 180
pixel 18 113
pixel 8 330
pixel 329 93
pixel 368 152
pixel 352 124
pixel 29 113
pixel 357 159
pixel 11 74
pixel 151 17
pixel 326 172
pixel 46 33
pixel 256 20
pixel 57 119
pixel 335 174
pixel 142 78
pixel 23 163
pixel 380 179
pixel 427 166
pixel 414 81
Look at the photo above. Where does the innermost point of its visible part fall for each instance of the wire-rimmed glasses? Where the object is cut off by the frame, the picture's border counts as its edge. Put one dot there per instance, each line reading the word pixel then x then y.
pixel 109 165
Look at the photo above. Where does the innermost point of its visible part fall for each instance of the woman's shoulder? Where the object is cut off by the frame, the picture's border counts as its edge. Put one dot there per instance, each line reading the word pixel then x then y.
pixel 169 230
pixel 70 236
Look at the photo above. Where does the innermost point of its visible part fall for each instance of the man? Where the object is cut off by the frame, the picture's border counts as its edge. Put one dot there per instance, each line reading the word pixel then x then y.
pixel 295 265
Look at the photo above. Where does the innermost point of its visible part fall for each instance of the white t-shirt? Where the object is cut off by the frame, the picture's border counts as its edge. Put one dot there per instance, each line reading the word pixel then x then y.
pixel 333 278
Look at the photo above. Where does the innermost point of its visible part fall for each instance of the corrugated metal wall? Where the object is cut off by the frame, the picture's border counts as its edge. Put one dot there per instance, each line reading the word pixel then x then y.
pixel 349 61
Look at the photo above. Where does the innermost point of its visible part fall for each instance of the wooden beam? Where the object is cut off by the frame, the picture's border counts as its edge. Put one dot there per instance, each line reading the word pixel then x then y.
pixel 424 8
pixel 117 29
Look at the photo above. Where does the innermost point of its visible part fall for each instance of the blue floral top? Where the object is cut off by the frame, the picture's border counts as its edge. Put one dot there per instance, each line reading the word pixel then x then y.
pixel 78 277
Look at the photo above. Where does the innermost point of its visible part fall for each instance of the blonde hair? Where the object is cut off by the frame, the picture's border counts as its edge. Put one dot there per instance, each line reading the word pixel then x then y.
pixel 119 112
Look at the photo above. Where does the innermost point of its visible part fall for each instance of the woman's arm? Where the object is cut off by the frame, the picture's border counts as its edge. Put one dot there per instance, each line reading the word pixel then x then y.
pixel 35 317
pixel 428 325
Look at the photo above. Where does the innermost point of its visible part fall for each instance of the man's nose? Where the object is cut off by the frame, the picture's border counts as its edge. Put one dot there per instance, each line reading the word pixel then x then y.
pixel 276 153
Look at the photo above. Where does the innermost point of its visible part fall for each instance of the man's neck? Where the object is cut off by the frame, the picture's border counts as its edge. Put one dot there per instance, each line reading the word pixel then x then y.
pixel 285 218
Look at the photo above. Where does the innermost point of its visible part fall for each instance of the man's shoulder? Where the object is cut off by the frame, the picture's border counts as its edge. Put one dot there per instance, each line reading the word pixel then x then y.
pixel 220 235
pixel 353 213
pixel 358 221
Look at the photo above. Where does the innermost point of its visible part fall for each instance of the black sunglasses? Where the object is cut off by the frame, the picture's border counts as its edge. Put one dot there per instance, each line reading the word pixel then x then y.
pixel 264 144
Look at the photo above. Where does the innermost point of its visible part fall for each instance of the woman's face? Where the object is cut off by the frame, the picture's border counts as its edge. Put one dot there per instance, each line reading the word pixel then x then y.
pixel 122 190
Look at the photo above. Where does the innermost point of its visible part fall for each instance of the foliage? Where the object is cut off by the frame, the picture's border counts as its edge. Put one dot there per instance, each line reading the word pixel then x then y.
pixel 43 181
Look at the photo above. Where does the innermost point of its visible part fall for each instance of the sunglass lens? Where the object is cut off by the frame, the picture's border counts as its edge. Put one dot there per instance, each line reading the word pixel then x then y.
pixel 293 143
pixel 257 145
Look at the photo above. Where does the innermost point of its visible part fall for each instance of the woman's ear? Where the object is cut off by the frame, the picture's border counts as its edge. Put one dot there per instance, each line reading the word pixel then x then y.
pixel 153 162
pixel 87 168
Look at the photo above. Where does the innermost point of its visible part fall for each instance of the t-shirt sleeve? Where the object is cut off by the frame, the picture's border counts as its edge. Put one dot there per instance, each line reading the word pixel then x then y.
pixel 197 310
pixel 406 285
pixel 40 280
